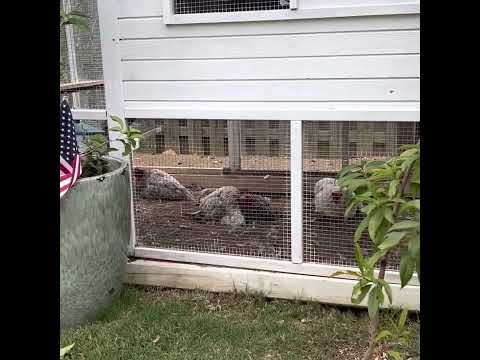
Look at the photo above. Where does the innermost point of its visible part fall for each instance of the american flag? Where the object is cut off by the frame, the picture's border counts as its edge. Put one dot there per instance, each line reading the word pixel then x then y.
pixel 70 168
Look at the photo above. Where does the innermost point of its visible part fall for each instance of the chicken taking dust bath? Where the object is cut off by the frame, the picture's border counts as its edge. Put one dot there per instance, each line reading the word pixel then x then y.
pixel 160 185
pixel 329 198
pixel 256 208
pixel 221 204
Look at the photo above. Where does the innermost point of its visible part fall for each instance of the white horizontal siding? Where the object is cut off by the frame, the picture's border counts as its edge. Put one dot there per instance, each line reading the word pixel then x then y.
pixel 139 8
pixel 148 28
pixel 273 68
pixel 281 90
pixel 356 43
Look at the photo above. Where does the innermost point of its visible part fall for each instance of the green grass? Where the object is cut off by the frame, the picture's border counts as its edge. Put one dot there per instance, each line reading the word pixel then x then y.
pixel 153 323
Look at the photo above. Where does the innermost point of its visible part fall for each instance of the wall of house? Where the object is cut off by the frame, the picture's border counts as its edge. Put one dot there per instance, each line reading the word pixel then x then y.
pixel 221 70
pixel 290 69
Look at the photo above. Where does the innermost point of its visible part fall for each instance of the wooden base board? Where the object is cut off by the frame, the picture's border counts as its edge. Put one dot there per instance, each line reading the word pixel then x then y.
pixel 271 284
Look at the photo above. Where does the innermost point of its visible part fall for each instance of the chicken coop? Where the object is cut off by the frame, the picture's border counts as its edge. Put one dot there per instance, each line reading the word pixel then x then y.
pixel 249 110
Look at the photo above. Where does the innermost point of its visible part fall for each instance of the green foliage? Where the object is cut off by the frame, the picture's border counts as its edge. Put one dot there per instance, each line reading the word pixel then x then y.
pixel 98 147
pixel 388 194
pixel 396 337
pixel 65 350
pixel 75 18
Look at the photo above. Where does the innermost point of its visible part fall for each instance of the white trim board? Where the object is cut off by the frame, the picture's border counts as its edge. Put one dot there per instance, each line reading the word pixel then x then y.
pixel 309 10
pixel 89 114
pixel 274 285
pixel 308 111
pixel 253 263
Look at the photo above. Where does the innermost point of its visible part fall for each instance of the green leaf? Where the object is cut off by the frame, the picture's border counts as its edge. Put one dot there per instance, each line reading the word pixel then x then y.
pixel 414 247
pixel 128 150
pixel 359 257
pixel 372 260
pixel 118 121
pixel 383 334
pixel 405 225
pixel 414 203
pixel 362 291
pixel 391 240
pixel 374 164
pixel 346 169
pixel 389 215
pixel 417 267
pixel 346 272
pixel 402 319
pixel 392 189
pixel 357 183
pixel 388 290
pixel 407 265
pixel 395 354
pixel 376 219
pixel 360 229
pixel 134 131
pixel 116 128
pixel 66 349
pixel 373 303
pixel 408 153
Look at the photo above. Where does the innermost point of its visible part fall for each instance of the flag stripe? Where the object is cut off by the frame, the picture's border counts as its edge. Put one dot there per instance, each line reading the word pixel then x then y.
pixel 70 165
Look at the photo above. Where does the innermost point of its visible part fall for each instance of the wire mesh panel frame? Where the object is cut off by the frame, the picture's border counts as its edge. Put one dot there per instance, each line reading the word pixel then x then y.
pixel 297 262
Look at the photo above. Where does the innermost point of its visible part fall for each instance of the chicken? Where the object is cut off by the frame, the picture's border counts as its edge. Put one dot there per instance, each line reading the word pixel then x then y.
pixel 329 198
pixel 222 205
pixel 159 185
pixel 256 208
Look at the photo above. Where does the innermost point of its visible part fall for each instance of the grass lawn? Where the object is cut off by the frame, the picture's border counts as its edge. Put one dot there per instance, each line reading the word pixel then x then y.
pixel 153 323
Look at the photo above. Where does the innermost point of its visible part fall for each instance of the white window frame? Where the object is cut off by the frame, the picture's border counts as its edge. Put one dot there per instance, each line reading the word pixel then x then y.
pixel 299 9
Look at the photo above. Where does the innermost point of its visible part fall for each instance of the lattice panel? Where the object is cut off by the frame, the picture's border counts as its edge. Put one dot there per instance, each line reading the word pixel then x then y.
pixel 190 194
pixel 327 235
pixel 219 6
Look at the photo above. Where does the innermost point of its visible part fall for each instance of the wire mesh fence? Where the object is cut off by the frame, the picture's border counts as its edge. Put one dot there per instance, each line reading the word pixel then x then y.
pixel 81 57
pixel 327 234
pixel 188 196
pixel 85 128
pixel 216 6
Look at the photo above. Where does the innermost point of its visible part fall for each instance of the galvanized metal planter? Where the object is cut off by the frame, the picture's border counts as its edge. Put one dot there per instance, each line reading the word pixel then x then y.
pixel 94 234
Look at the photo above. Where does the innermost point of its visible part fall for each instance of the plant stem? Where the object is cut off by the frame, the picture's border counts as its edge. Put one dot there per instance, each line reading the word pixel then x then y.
pixel 373 326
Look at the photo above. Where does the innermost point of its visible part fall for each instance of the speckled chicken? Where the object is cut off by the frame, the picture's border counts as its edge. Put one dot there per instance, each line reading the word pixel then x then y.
pixel 256 208
pixel 329 199
pixel 221 205
pixel 159 185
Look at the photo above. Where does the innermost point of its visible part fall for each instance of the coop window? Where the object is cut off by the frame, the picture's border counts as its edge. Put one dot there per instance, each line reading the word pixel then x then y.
pixel 274 147
pixel 206 145
pixel 323 149
pixel 184 146
pixel 216 6
pixel 250 145
pixel 182 123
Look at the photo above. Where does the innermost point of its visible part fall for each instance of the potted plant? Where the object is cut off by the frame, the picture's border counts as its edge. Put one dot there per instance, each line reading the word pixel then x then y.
pixel 95 228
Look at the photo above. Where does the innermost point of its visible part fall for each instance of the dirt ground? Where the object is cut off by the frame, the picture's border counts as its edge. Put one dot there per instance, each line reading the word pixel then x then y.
pixel 171 225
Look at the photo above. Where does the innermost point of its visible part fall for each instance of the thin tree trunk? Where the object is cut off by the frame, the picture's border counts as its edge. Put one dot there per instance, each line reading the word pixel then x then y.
pixel 373 326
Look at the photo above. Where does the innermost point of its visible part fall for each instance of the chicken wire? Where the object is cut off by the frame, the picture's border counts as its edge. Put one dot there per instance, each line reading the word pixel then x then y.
pixel 327 146
pixel 216 6
pixel 200 202
pixel 85 128
pixel 85 48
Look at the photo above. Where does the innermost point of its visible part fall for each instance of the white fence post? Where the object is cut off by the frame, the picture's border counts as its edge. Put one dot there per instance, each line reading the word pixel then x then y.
pixel 296 190
pixel 109 38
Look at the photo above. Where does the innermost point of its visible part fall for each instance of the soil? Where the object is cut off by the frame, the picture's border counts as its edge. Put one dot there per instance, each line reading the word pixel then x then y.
pixel 171 225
